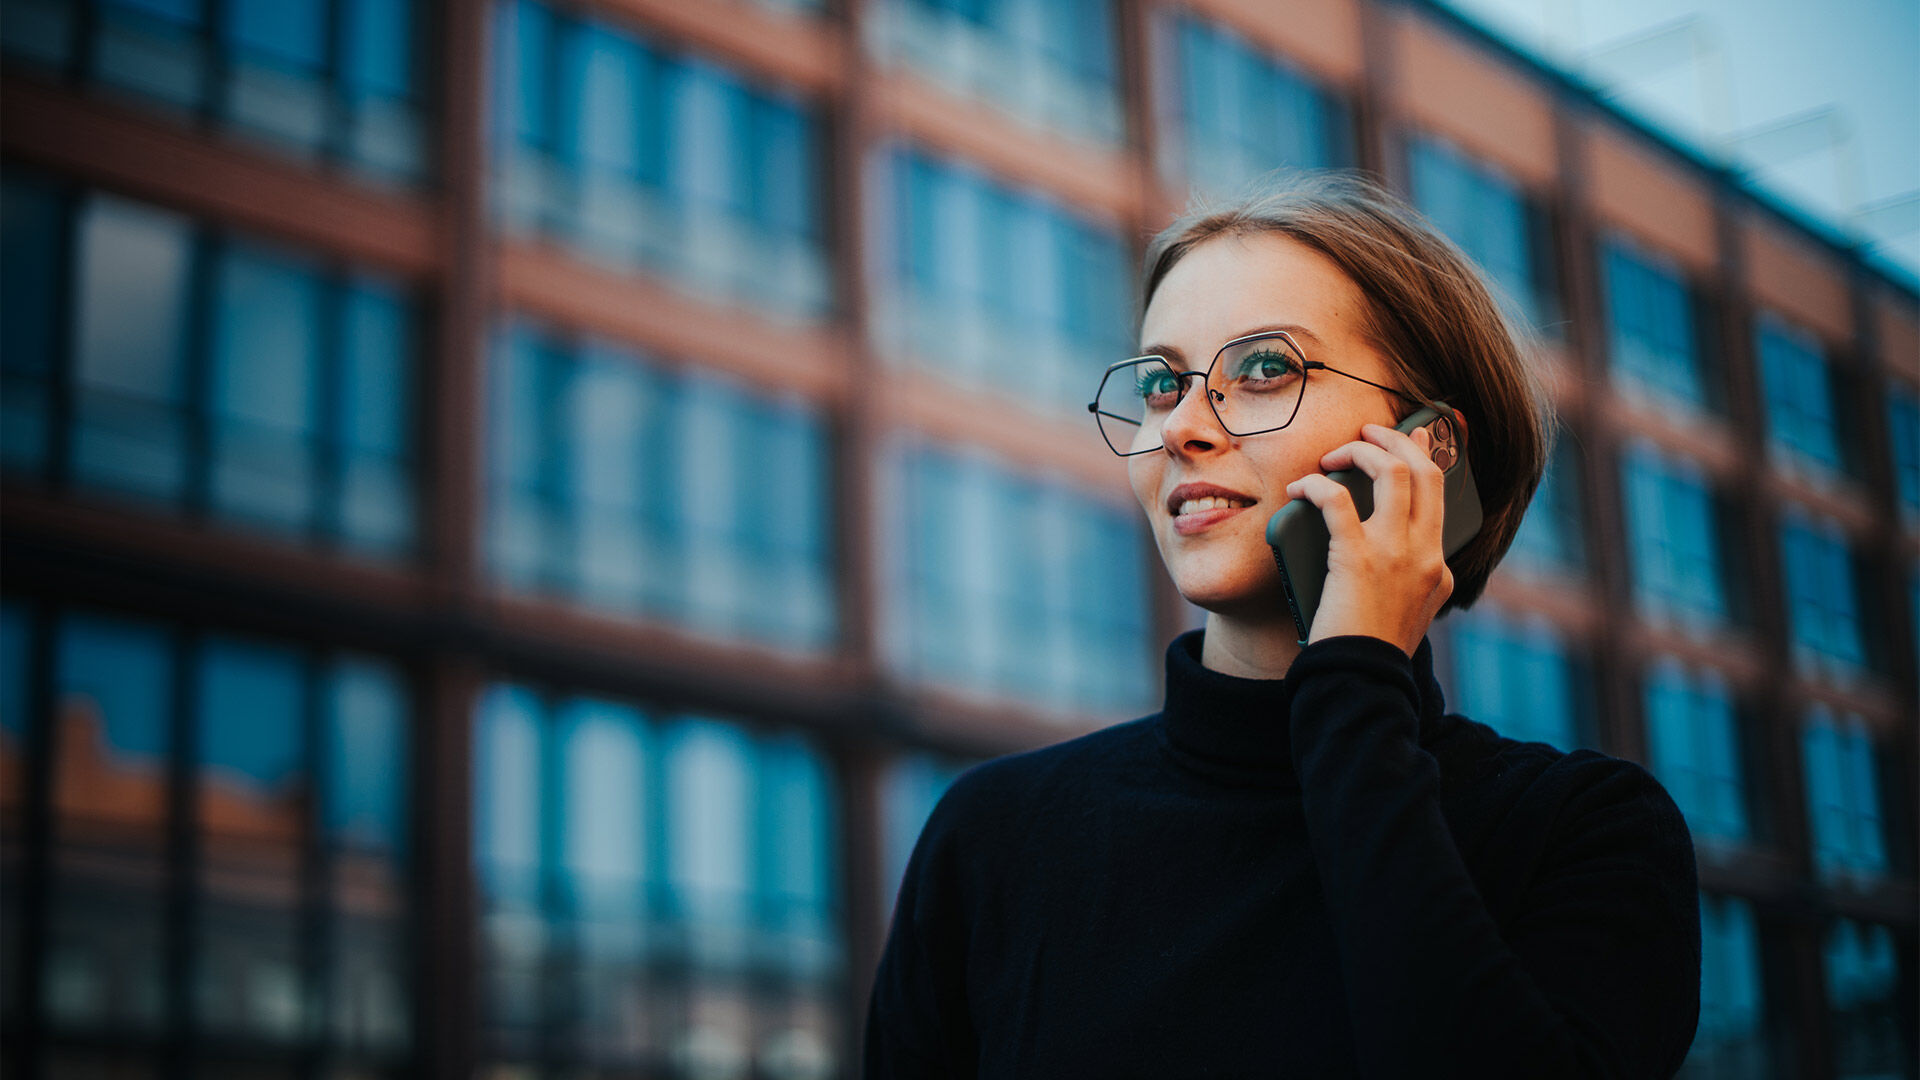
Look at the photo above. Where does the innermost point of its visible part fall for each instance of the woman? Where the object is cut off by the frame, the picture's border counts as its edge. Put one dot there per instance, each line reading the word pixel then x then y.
pixel 1302 866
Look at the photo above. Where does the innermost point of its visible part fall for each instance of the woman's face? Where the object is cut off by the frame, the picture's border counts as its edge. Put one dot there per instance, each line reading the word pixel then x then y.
pixel 1228 287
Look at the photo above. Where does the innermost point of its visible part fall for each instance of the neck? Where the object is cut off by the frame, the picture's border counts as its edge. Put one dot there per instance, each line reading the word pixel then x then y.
pixel 1249 648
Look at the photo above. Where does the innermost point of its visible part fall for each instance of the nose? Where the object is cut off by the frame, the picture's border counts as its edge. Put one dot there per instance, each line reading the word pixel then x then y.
pixel 1192 427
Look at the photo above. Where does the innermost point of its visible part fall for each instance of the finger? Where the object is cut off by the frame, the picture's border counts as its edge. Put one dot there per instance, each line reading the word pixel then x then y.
pixel 1430 494
pixel 1428 490
pixel 1392 478
pixel 1335 504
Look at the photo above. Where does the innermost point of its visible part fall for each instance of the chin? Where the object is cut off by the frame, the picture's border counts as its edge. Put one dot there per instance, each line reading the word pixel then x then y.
pixel 1238 591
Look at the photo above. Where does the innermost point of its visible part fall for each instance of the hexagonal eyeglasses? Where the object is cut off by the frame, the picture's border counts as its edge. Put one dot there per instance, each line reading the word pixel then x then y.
pixel 1254 386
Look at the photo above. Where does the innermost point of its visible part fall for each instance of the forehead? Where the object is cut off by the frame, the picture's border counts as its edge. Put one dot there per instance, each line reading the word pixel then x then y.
pixel 1229 285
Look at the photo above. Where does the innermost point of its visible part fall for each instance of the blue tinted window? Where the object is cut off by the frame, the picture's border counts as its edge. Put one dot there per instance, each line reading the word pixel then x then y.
pixel 1822 596
pixel 379 46
pixel 1006 587
pixel 709 136
pixel 266 336
pixel 154 48
pixel 367 758
pixel 607 74
pixel 375 415
pixel 251 708
pixel 270 69
pixel 253 787
pixel 1246 113
pixel 910 788
pixel 1552 536
pixel 181 11
pixel 1673 537
pixel 1903 431
pixel 798 820
pixel 261 785
pixel 591 452
pixel 1731 1039
pixel 1799 394
pixel 1650 325
pixel 606 842
pixel 786 182
pixel 649 159
pixel 301 381
pixel 604 805
pixel 521 535
pixel 613 410
pixel 1843 796
pixel 116 685
pixel 130 348
pixel 14 631
pixel 507 802
pixel 524 36
pixel 1693 747
pixel 33 244
pixel 1052 65
pixel 365 762
pixel 710 784
pixel 292 31
pixel 114 732
pixel 1516 677
pixel 1863 1002
pixel 1486 214
pixel 1003 284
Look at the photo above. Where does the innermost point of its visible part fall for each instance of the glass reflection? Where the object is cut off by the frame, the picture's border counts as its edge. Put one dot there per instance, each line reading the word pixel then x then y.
pixel 250 797
pixel 115 685
pixel 363 810
pixel 659 899
pixel 130 348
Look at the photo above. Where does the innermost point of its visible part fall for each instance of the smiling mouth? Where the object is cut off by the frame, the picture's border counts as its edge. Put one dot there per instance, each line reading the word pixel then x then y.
pixel 1192 516
pixel 1211 502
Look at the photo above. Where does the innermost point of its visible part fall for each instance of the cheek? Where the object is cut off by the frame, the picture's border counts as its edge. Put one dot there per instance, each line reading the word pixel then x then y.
pixel 1143 473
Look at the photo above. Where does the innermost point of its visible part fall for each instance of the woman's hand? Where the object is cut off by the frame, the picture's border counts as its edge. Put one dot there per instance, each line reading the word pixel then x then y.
pixel 1386 576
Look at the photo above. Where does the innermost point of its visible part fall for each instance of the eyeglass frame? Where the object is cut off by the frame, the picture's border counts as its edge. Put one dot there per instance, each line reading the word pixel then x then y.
pixel 1215 396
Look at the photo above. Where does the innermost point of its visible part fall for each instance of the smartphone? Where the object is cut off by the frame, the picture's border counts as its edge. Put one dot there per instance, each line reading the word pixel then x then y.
pixel 1298 532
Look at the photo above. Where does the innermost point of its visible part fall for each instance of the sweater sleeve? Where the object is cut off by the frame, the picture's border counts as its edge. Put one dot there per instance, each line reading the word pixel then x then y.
pixel 1595 973
pixel 918 1022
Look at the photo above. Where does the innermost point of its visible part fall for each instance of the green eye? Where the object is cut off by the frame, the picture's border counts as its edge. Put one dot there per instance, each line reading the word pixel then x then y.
pixel 1264 367
pixel 1158 389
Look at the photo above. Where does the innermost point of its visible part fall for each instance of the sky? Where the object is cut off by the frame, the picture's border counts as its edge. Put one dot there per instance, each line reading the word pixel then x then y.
pixel 1817 103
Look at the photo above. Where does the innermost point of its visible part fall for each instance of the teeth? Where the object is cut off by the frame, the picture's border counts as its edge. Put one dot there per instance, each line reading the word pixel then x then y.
pixel 1211 502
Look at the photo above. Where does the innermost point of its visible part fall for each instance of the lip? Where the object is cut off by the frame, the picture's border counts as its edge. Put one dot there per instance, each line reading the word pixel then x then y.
pixel 1188 524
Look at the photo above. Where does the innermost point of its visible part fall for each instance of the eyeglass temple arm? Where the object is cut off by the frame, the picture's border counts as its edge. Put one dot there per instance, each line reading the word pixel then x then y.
pixel 1316 365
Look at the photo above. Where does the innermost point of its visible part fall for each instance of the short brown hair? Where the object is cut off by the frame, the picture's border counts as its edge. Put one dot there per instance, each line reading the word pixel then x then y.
pixel 1431 314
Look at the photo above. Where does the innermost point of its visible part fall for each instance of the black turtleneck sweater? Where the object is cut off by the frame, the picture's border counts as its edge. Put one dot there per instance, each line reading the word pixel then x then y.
pixel 1319 876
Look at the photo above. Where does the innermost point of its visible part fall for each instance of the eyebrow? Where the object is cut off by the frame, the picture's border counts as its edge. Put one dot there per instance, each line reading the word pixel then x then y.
pixel 1180 358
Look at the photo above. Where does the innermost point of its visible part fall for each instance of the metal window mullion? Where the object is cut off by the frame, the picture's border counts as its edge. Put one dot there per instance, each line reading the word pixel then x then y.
pixel 328 440
pixel 550 1045
pixel 182 858
pixel 86 20
pixel 61 388
pixel 207 248
pixel 316 942
pixel 27 1050
pixel 334 143
pixel 217 75
pixel 656 869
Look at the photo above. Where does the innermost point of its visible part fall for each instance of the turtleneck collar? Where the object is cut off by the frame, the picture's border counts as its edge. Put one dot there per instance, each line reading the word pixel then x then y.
pixel 1237 730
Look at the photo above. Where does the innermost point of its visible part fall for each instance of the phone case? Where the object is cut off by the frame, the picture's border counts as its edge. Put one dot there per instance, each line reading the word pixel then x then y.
pixel 1298 531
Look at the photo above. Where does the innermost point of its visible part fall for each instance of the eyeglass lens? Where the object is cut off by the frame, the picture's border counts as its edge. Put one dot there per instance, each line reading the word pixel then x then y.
pixel 1253 386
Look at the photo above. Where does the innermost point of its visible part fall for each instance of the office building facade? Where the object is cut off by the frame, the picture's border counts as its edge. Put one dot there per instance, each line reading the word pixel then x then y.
pixel 514 510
